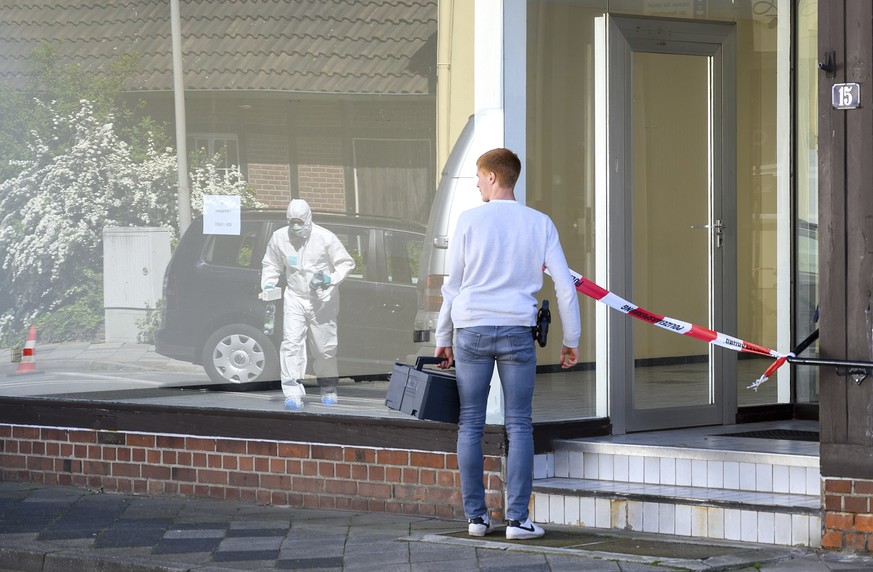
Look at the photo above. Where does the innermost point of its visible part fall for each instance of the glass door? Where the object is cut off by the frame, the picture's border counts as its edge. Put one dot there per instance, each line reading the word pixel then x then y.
pixel 672 216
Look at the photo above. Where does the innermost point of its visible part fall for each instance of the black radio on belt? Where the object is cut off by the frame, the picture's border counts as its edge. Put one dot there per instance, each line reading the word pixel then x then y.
pixel 541 330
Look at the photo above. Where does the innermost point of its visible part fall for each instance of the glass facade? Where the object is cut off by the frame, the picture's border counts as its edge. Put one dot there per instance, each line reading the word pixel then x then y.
pixel 569 155
pixel 109 293
pixel 128 299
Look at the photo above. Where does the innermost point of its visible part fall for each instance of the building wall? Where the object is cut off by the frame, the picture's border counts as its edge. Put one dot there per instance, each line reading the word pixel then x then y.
pixel 848 520
pixel 284 473
pixel 846 276
pixel 272 183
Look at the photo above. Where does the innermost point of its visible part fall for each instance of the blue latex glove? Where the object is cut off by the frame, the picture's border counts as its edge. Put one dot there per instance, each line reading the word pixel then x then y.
pixel 319 281
pixel 269 286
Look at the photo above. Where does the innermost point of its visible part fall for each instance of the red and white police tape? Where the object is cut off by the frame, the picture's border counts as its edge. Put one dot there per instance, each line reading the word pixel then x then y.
pixel 618 303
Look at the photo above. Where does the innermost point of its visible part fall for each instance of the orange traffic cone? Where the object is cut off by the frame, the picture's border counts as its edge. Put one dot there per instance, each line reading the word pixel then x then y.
pixel 28 355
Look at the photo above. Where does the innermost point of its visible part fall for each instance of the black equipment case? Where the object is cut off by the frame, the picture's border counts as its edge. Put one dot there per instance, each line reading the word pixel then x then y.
pixel 425 393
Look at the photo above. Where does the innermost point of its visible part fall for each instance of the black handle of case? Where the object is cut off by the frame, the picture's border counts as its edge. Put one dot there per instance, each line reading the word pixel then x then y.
pixel 421 361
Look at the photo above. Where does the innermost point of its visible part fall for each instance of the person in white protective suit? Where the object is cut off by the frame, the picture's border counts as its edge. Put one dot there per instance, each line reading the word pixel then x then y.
pixel 314 262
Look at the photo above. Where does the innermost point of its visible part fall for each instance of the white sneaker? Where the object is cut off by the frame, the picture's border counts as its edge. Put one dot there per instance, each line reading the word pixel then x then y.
pixel 294 403
pixel 329 398
pixel 479 526
pixel 523 530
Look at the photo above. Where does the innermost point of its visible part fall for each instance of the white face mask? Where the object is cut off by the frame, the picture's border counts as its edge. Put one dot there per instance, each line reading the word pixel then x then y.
pixel 296 229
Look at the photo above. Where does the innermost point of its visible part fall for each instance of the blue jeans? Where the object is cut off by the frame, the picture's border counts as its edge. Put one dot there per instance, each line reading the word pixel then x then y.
pixel 476 351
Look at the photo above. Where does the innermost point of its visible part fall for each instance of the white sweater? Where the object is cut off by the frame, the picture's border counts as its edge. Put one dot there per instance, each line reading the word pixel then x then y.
pixel 495 265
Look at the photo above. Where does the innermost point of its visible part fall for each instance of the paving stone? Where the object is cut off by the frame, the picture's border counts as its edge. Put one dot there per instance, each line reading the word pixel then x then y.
pixel 466 564
pixel 153 507
pixel 29 518
pixel 364 566
pixel 86 517
pixel 175 546
pixel 250 544
pixel 253 532
pixel 559 563
pixel 281 525
pixel 176 533
pixel 324 563
pixel 425 552
pixel 379 559
pixel 141 532
pixel 241 555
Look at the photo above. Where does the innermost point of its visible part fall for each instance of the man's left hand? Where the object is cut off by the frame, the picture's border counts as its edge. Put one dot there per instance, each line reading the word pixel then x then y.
pixel 320 280
pixel 447 355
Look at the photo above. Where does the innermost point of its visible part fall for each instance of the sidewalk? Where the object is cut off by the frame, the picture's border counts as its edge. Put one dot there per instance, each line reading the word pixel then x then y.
pixel 103 356
pixel 51 528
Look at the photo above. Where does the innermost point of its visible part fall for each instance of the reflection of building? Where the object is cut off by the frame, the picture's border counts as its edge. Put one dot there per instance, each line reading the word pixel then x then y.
pixel 676 151
pixel 330 102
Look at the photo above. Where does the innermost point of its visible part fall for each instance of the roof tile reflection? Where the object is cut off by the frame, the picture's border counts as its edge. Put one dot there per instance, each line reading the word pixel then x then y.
pixel 302 46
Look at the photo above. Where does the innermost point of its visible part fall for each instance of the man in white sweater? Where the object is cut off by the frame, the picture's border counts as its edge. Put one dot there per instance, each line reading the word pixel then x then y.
pixel 496 259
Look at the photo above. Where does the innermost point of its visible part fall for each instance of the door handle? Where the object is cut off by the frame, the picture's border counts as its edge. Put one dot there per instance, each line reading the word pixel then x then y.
pixel 717 227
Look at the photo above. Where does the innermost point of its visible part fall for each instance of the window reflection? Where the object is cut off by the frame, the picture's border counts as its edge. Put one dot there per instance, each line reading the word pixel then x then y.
pixel 339 111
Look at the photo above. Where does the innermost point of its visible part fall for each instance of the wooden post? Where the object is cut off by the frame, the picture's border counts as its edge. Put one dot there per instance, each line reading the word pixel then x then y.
pixel 846 274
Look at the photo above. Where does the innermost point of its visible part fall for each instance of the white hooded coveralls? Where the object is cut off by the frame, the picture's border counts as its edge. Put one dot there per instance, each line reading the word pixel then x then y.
pixel 307 311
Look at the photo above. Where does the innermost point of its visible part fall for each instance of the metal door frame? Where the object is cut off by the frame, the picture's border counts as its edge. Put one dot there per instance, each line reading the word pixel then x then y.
pixel 625 35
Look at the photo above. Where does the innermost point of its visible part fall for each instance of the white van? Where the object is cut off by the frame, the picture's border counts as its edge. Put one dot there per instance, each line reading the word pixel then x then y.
pixel 456 193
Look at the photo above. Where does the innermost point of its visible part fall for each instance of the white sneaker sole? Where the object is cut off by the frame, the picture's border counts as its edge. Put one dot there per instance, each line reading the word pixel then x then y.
pixel 517 533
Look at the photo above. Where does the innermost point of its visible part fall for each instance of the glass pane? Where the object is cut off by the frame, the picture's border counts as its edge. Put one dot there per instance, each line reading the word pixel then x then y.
pixel 758 183
pixel 95 257
pixel 402 252
pixel 356 244
pixel 560 180
pixel 671 148
pixel 806 222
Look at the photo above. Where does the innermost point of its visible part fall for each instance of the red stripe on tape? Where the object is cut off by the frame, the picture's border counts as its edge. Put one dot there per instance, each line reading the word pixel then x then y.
pixel 701 333
pixel 591 289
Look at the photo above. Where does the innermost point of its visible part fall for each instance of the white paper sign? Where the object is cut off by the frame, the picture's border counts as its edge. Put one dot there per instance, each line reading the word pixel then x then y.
pixel 221 214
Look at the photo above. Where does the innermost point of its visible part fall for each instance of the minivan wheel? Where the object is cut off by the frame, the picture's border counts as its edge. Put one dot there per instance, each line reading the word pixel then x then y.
pixel 239 353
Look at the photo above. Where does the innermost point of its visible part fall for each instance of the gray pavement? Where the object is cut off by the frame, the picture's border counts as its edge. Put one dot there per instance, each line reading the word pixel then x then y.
pixel 52 528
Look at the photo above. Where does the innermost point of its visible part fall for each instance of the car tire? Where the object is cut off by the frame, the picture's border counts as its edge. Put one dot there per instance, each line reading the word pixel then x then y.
pixel 239 353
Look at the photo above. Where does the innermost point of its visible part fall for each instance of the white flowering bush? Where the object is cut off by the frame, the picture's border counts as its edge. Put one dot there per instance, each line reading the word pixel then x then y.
pixel 53 212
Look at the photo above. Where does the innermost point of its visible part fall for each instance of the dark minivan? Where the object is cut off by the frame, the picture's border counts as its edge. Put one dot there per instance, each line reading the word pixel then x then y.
pixel 212 314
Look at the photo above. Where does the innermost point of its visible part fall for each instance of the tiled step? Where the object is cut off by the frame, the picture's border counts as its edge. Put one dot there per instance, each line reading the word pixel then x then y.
pixel 768 518
pixel 772 498
pixel 709 468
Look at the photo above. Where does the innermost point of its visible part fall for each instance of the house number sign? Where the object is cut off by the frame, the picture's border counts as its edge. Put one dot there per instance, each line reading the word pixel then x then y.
pixel 846 95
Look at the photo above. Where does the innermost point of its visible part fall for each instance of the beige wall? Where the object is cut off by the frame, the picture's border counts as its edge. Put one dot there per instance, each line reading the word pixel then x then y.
pixel 454 74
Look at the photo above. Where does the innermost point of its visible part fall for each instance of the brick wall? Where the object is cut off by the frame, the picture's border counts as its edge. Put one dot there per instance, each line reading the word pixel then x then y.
pixel 272 183
pixel 285 473
pixel 848 521
pixel 320 173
